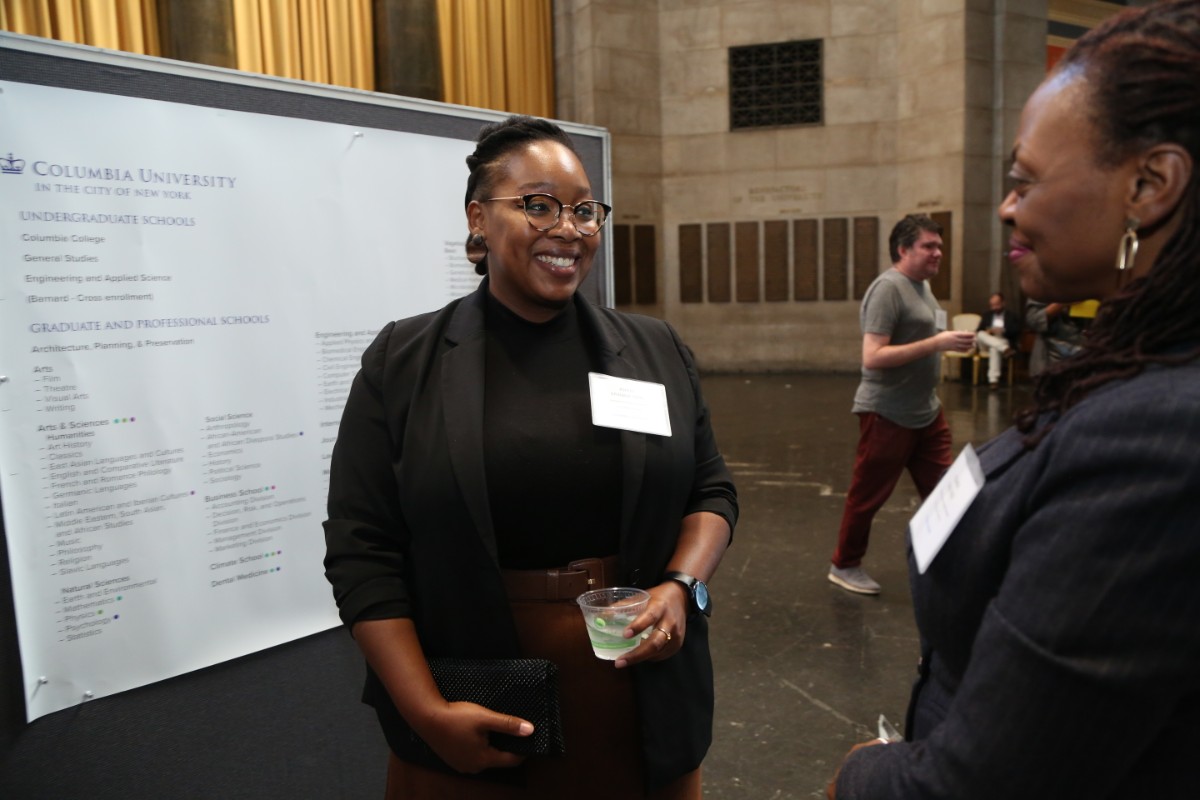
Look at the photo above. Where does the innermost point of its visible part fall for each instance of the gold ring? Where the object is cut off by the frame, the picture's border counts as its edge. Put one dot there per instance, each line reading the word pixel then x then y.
pixel 664 632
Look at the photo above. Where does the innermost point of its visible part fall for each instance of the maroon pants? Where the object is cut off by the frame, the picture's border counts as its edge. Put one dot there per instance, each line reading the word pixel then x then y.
pixel 885 450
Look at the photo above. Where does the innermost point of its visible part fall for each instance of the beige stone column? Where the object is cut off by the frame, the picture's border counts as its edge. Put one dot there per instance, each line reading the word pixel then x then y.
pixel 200 31
pixel 1006 59
pixel 407 55
pixel 607 58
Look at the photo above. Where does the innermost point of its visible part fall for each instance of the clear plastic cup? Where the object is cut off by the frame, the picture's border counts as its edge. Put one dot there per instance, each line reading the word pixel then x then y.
pixel 607 613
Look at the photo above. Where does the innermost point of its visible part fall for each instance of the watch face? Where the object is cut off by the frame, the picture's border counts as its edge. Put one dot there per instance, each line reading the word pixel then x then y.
pixel 701 596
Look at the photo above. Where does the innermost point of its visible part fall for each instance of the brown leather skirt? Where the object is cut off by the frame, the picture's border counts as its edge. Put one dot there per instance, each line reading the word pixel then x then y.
pixel 603 759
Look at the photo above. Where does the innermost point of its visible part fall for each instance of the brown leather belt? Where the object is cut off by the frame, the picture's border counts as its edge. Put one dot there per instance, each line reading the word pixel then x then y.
pixel 560 584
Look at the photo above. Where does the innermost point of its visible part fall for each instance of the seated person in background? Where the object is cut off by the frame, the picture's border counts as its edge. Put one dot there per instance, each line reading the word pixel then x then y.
pixel 998 333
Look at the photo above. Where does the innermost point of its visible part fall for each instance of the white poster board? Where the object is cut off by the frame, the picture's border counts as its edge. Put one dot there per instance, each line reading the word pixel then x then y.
pixel 185 292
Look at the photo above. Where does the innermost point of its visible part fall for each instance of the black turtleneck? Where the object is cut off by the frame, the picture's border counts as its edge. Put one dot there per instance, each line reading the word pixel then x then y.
pixel 554 478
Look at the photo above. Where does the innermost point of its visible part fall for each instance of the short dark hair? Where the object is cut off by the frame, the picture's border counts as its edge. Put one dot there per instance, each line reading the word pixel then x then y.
pixel 495 141
pixel 908 230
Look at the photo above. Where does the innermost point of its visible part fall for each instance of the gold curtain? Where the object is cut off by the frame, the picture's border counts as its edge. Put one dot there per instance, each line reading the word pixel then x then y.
pixel 326 41
pixel 495 53
pixel 130 26
pixel 498 54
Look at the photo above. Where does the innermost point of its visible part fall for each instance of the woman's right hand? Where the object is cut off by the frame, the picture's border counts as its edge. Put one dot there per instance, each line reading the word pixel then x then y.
pixel 458 733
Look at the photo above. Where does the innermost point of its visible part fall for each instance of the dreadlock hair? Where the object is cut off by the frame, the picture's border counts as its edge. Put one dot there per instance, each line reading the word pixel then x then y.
pixel 495 141
pixel 1143 73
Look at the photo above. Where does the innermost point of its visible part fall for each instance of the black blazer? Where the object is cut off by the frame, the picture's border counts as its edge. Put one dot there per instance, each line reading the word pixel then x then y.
pixel 409 525
pixel 1012 325
pixel 1061 619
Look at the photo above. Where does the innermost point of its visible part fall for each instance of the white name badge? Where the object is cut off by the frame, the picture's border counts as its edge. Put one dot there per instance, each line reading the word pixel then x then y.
pixel 935 520
pixel 939 319
pixel 629 405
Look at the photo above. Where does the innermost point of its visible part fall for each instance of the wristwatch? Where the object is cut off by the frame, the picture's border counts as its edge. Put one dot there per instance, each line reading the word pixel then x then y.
pixel 696 590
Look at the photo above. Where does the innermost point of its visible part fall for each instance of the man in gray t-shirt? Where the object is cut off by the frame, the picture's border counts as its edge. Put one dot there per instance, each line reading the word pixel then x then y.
pixel 901 425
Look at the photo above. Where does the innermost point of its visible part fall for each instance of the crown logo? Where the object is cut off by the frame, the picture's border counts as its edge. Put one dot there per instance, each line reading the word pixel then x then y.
pixel 12 166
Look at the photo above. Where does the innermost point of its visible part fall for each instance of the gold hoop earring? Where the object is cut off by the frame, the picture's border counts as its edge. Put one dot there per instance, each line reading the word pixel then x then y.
pixel 1127 250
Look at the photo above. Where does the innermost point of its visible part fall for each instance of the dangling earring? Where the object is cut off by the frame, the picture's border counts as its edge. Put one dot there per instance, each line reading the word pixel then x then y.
pixel 1127 250
pixel 476 248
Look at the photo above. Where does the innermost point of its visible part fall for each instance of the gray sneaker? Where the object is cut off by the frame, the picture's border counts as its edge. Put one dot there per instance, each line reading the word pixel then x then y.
pixel 854 579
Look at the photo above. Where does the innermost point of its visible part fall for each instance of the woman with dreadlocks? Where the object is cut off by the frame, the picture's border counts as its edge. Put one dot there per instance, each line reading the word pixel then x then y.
pixel 1060 621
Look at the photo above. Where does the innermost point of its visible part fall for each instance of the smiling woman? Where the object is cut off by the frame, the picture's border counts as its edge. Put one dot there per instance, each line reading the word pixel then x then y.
pixel 472 498
pixel 536 259
pixel 1060 650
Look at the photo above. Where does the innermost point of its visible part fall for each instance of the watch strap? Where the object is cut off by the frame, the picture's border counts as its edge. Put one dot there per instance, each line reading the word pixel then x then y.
pixel 692 585
pixel 681 577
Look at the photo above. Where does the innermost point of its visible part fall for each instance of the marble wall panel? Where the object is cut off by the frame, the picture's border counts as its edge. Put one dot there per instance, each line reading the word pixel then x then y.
pixel 635 198
pixel 979 34
pixel 777 193
pixel 852 57
pixel 981 179
pixel 940 89
pixel 859 102
pixel 1038 9
pixel 751 150
pixel 695 154
pixel 695 72
pixel 637 155
pixel 856 190
pixel 930 183
pixel 696 114
pixel 1019 82
pixel 936 8
pixel 633 73
pixel 979 81
pixel 1025 39
pixel 633 115
pixel 698 198
pixel 823 336
pixel 859 17
pixel 979 132
pixel 831 145
pixel 689 28
pixel 763 22
pixel 601 58
pixel 932 43
pixel 633 28
pixel 679 5
pixel 931 135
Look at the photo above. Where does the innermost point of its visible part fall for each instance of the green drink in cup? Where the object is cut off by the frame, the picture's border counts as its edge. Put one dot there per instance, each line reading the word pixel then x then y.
pixel 607 613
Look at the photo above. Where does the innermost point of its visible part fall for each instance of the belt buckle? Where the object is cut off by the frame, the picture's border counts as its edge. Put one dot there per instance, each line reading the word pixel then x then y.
pixel 594 567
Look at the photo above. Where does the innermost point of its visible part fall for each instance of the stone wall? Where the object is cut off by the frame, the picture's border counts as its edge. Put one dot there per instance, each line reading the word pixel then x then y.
pixel 757 244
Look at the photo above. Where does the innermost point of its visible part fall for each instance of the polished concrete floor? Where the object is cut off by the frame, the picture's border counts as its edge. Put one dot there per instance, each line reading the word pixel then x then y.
pixel 804 669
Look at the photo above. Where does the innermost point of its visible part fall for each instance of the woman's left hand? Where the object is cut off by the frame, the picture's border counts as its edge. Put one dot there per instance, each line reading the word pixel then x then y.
pixel 665 620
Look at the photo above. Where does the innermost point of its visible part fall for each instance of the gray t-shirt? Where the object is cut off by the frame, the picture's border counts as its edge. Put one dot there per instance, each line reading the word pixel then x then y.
pixel 905 311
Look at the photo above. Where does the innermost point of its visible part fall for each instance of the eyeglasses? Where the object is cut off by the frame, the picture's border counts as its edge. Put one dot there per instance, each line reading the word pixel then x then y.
pixel 543 210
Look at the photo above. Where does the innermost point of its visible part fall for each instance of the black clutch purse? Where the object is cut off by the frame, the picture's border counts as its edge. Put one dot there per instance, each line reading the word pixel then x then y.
pixel 523 687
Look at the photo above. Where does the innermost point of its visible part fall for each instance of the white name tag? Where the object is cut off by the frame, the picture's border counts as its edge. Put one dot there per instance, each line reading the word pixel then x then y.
pixel 629 405
pixel 935 520
pixel 939 319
